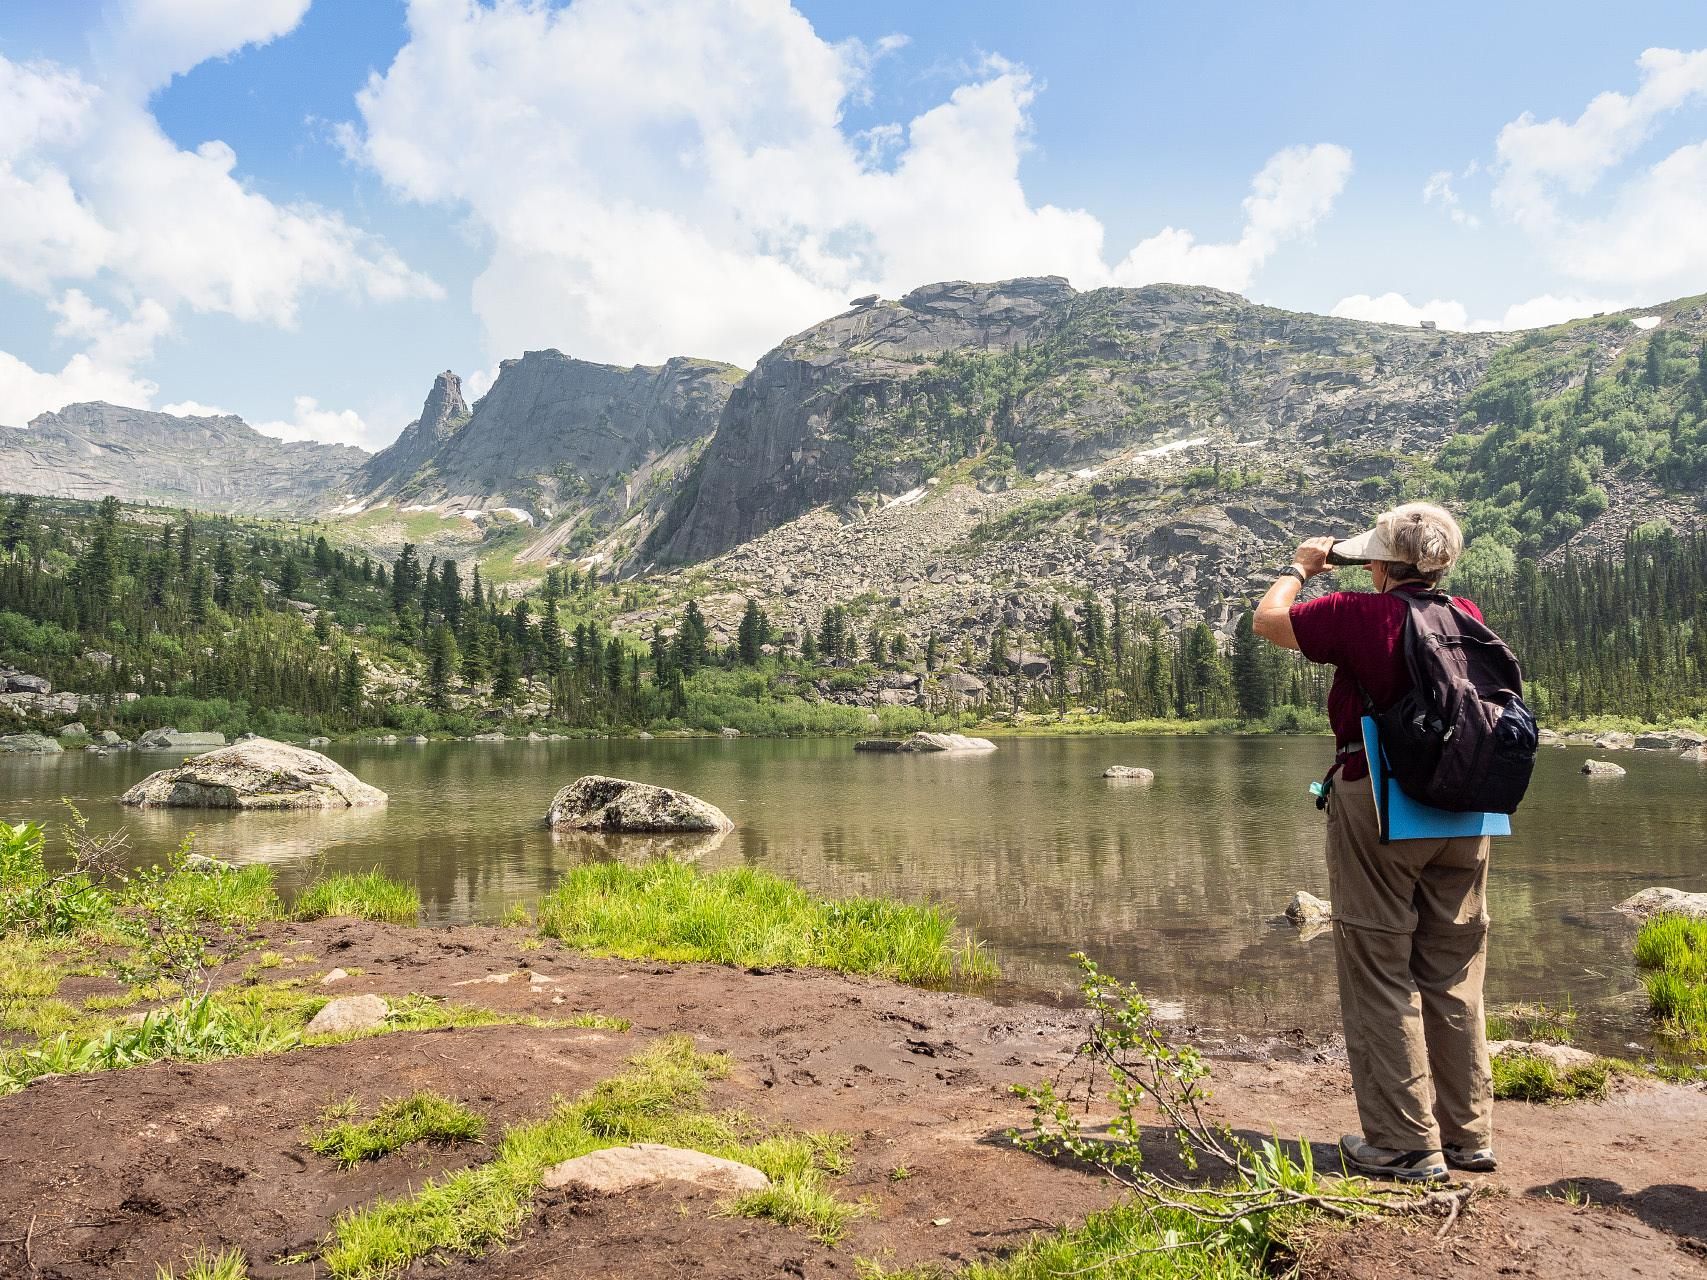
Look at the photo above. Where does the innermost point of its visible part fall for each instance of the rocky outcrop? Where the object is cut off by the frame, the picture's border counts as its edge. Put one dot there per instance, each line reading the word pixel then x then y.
pixel 553 434
pixel 618 1169
pixel 29 744
pixel 1562 1057
pixel 598 803
pixel 12 681
pixel 256 774
pixel 208 464
pixel 857 404
pixel 1660 901
pixel 925 743
pixel 1602 769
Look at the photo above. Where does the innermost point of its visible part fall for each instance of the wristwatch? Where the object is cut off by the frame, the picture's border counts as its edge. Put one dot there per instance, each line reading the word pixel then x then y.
pixel 1292 571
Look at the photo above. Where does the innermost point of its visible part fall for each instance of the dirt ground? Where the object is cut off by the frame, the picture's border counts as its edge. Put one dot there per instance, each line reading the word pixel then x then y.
pixel 107 1175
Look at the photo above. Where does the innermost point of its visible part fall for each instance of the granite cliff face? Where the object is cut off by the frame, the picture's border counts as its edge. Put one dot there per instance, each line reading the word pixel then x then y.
pixel 553 433
pixel 211 464
pixel 1029 374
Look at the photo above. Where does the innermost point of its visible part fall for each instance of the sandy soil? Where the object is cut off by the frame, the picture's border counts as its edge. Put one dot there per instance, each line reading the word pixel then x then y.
pixel 107 1175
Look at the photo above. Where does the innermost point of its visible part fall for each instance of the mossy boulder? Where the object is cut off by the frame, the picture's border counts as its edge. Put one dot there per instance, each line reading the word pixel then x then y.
pixel 256 774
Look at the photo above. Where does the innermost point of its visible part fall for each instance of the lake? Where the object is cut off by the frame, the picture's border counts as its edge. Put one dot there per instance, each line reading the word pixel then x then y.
pixel 1176 884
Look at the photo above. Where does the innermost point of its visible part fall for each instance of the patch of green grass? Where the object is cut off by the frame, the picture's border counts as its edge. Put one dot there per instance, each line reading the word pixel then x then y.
pixel 655 1100
pixel 1523 1078
pixel 1672 952
pixel 423 1116
pixel 670 911
pixel 1533 1022
pixel 204 1264
pixel 230 896
pixel 370 895
pixel 30 974
pixel 1131 1241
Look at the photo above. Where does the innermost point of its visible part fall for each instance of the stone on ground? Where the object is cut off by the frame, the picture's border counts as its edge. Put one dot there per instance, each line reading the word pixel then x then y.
pixel 1602 769
pixel 258 774
pixel 727 732
pixel 598 803
pixel 618 1169
pixel 29 744
pixel 347 1015
pixel 1562 1056
pixel 1661 901
pixel 1307 908
pixel 172 740
pixel 1129 771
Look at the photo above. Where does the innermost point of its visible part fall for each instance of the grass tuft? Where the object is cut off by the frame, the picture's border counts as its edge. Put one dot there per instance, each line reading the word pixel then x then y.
pixel 1525 1078
pixel 370 895
pixel 655 1100
pixel 421 1117
pixel 670 911
pixel 1533 1022
pixel 204 1264
pixel 1672 952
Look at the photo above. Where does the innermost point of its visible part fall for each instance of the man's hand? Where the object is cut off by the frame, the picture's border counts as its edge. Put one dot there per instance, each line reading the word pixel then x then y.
pixel 1312 556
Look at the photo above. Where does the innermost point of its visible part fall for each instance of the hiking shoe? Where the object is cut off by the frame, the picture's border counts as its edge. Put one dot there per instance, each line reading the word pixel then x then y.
pixel 1477 1160
pixel 1401 1166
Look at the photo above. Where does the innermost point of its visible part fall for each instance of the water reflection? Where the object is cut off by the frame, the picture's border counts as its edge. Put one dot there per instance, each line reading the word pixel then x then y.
pixel 1176 883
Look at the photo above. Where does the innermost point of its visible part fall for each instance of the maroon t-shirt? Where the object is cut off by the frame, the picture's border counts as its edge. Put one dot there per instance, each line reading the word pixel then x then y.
pixel 1362 634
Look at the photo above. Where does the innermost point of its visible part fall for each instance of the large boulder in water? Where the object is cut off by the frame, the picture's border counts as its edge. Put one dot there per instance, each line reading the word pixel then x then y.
pixel 29 744
pixel 926 742
pixel 1129 773
pixel 257 774
pixel 1602 769
pixel 598 803
pixel 173 740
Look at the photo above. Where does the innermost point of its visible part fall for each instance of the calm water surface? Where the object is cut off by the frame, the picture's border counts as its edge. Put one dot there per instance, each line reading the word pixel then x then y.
pixel 1176 884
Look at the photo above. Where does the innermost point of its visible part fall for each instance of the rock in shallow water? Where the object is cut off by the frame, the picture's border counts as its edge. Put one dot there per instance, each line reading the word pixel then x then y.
pixel 1661 901
pixel 1307 908
pixel 1131 772
pixel 172 740
pixel 29 744
pixel 598 803
pixel 926 742
pixel 257 774
pixel 618 1169
pixel 1602 769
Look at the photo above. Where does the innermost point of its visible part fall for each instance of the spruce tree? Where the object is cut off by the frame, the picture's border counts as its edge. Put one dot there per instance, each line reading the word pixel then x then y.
pixel 750 637
pixel 1250 674
pixel 350 691
pixel 441 667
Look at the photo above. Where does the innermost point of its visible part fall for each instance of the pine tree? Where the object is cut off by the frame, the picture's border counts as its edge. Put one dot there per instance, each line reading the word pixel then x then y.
pixel 1250 675
pixel 16 529
pixel 750 636
pixel 933 652
pixel 290 577
pixel 350 690
pixel 505 676
pixel 441 667
pixel 808 646
pixel 474 655
pixel 692 640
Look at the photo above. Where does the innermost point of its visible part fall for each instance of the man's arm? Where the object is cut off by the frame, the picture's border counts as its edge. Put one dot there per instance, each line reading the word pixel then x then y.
pixel 1273 621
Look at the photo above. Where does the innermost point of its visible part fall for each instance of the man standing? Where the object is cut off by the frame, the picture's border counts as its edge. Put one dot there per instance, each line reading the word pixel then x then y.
pixel 1410 917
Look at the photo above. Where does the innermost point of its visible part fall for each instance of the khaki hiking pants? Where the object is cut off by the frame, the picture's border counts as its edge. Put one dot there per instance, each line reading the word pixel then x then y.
pixel 1411 939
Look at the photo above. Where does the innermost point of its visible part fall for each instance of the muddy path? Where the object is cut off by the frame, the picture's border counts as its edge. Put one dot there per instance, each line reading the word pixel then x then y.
pixel 108 1175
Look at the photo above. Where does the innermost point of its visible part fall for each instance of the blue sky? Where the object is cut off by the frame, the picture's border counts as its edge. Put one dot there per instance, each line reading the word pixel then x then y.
pixel 301 212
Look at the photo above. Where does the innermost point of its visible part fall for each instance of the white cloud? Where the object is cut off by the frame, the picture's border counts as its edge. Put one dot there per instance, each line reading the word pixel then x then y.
pixel 147 42
pixel 1439 187
pixel 658 178
pixel 102 213
pixel 1536 313
pixel 194 409
pixel 311 422
pixel 1292 193
pixel 1651 233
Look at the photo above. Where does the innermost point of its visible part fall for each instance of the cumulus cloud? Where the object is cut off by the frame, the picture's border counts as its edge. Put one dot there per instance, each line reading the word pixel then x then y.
pixel 102 214
pixel 311 422
pixel 658 178
pixel 1650 231
pixel 1536 313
